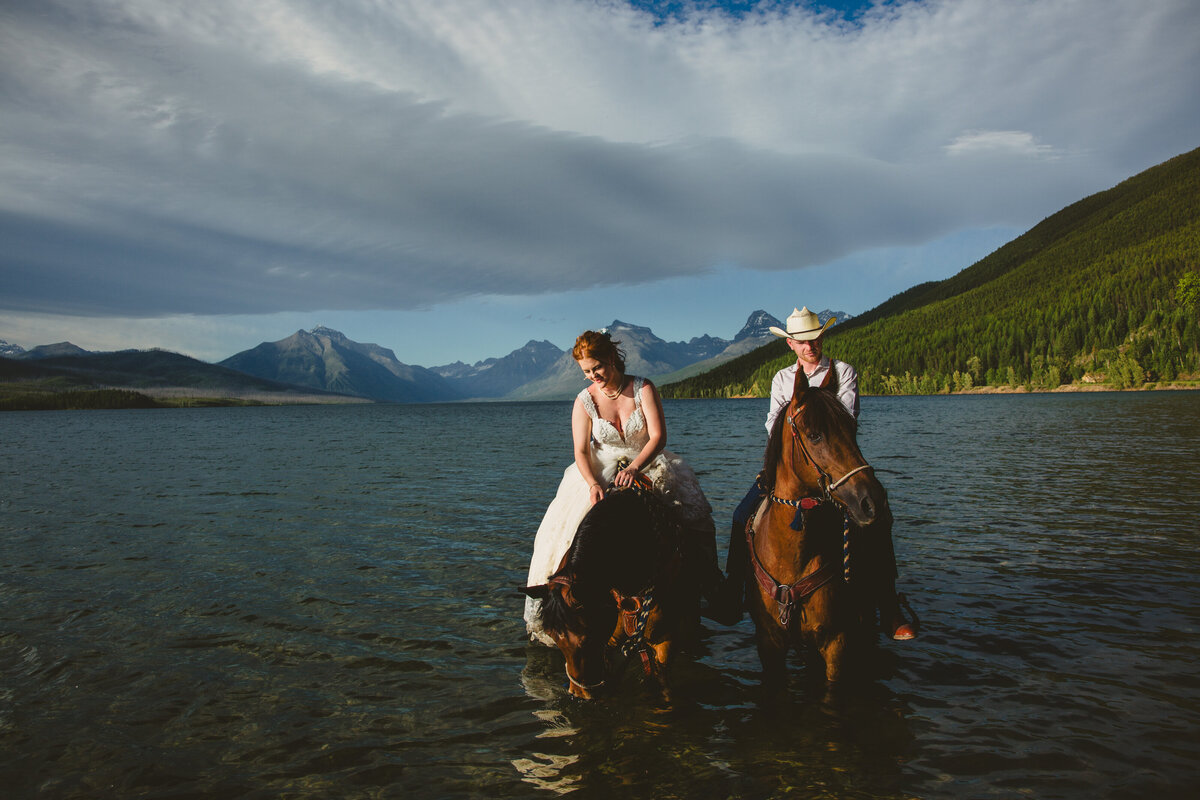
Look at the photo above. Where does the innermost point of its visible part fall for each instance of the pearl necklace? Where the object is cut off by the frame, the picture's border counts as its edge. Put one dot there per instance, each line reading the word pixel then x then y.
pixel 615 394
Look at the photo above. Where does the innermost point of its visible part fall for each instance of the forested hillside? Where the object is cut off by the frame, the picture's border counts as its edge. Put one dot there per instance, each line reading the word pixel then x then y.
pixel 1103 292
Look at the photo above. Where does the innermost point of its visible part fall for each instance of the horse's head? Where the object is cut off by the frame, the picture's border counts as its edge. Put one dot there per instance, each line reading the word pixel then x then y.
pixel 815 443
pixel 580 621
pixel 611 550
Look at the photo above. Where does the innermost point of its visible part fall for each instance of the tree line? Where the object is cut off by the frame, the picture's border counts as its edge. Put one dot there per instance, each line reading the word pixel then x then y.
pixel 1106 291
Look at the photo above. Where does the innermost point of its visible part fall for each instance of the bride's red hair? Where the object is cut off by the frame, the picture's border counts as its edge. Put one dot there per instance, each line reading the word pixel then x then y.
pixel 600 346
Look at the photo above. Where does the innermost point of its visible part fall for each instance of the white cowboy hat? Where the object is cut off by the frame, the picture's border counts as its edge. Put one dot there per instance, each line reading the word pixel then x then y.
pixel 803 326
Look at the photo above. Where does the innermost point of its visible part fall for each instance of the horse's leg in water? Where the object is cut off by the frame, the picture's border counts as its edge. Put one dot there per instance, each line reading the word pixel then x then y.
pixel 662 656
pixel 772 643
pixel 826 630
pixel 832 647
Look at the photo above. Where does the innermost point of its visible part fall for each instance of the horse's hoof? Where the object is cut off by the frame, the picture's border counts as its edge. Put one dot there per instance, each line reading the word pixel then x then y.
pixel 904 632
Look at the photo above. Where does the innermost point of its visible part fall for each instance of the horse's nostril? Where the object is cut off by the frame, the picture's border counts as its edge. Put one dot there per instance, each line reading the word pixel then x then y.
pixel 868 507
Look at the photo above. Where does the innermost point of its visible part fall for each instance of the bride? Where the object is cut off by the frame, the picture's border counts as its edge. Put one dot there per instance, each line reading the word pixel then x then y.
pixel 617 417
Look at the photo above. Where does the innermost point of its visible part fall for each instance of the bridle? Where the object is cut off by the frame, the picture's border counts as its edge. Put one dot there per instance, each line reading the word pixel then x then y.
pixel 824 479
pixel 566 582
pixel 635 613
pixel 587 687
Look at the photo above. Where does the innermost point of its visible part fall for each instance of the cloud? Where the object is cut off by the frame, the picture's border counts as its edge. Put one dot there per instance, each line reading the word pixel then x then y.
pixel 237 158
pixel 1018 143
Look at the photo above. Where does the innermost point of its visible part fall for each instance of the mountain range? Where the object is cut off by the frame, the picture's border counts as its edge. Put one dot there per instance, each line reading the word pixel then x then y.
pixel 649 356
pixel 323 360
pixel 326 359
pixel 65 367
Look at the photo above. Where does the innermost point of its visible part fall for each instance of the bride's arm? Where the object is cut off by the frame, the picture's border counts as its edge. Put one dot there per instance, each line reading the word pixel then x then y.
pixel 656 428
pixel 581 434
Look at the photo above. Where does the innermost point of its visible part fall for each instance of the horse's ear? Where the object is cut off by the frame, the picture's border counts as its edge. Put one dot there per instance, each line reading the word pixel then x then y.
pixel 801 382
pixel 540 592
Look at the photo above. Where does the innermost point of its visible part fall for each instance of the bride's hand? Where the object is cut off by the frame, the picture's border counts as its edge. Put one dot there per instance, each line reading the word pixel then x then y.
pixel 595 493
pixel 626 477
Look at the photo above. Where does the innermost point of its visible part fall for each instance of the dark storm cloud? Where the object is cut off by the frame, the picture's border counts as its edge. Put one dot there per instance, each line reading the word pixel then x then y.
pixel 218 158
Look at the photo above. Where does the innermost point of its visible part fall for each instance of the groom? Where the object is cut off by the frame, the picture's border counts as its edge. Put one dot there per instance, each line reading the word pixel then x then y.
pixel 805 335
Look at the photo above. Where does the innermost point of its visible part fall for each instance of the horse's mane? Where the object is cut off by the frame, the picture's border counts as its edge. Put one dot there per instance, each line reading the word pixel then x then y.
pixel 617 545
pixel 822 409
pixel 774 449
pixel 617 541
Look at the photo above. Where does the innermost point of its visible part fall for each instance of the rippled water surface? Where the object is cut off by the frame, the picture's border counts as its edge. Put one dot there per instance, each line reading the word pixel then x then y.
pixel 317 602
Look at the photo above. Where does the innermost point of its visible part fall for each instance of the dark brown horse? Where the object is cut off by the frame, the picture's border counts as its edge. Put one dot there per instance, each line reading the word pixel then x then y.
pixel 620 592
pixel 822 492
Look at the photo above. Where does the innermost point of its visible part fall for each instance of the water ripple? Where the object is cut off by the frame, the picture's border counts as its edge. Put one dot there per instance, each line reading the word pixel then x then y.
pixel 316 602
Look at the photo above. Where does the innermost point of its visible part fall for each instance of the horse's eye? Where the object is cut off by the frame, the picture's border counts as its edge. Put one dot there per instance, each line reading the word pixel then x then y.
pixel 815 437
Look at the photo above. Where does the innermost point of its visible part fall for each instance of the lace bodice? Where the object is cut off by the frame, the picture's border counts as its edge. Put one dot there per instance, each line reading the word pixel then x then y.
pixel 606 437
pixel 668 473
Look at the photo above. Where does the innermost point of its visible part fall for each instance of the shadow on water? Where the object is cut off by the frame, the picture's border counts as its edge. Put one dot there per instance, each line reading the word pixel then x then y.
pixel 724 735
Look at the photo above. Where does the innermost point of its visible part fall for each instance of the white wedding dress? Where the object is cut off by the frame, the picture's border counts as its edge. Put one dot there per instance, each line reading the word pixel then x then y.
pixel 672 478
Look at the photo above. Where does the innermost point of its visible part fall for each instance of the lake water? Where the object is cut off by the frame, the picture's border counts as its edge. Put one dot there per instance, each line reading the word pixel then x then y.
pixel 317 602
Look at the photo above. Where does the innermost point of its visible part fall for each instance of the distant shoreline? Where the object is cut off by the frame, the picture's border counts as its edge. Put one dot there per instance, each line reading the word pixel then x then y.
pixel 18 397
pixel 178 397
pixel 1070 388
pixel 1066 388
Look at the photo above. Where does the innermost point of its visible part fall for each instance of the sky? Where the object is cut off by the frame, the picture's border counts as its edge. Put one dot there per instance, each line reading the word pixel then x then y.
pixel 453 178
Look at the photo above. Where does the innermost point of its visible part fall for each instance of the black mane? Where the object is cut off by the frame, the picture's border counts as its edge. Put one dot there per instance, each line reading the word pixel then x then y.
pixel 617 541
pixel 774 448
pixel 618 545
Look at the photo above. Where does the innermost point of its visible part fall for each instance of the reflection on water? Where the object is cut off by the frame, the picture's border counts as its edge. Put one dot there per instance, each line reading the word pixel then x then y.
pixel 317 602
pixel 725 736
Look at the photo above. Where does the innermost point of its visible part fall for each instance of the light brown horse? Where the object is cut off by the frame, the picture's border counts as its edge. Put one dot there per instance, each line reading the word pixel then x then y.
pixel 822 491
pixel 621 592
